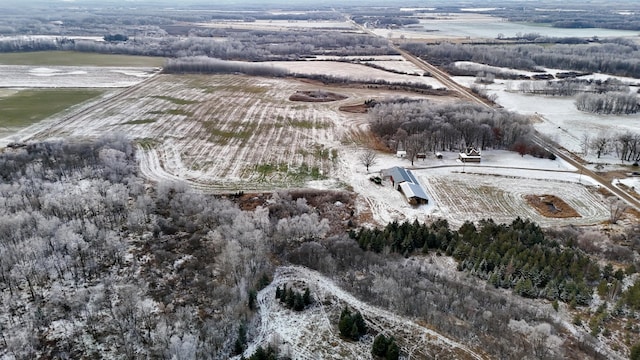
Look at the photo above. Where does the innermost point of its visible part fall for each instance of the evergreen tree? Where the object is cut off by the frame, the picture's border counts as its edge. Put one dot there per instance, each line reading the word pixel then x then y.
pixel 307 296
pixel 379 346
pixel 358 320
pixel 354 333
pixel 346 323
pixel 283 294
pixel 298 302
pixel 252 299
pixel 290 298
pixel 635 352
pixel 393 351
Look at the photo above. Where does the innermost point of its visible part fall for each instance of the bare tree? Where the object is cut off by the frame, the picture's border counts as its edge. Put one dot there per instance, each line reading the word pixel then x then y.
pixel 617 208
pixel 585 144
pixel 600 144
pixel 415 144
pixel 368 158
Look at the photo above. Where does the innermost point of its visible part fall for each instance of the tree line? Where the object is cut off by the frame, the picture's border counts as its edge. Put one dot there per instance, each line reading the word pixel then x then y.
pixel 515 256
pixel 610 56
pixel 421 126
pixel 608 103
pixel 589 16
pixel 234 45
pixel 573 86
pixel 625 145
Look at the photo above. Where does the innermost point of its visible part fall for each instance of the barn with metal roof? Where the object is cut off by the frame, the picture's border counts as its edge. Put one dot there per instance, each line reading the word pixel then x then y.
pixel 404 181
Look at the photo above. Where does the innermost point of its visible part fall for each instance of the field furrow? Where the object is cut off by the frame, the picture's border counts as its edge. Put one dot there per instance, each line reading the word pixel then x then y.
pixel 474 197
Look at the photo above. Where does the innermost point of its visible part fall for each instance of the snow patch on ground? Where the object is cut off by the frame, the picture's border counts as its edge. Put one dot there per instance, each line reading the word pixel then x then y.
pixel 353 71
pixel 24 76
pixel 495 188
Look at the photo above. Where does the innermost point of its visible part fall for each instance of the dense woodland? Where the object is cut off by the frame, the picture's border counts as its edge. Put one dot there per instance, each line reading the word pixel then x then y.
pixel 95 263
pixel 516 256
pixel 422 126
pixel 470 311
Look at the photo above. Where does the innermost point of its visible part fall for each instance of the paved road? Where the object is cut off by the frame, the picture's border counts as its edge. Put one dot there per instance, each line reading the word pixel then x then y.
pixel 576 162
pixel 559 151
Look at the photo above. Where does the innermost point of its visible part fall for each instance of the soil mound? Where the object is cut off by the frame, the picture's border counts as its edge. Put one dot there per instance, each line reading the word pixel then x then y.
pixel 551 206
pixel 316 96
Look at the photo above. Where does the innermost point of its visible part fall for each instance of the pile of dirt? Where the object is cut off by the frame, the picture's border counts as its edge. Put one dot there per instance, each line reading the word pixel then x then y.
pixel 356 109
pixel 316 96
pixel 551 206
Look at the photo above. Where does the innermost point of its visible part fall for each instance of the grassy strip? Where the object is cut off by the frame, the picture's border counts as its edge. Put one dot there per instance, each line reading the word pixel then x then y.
pixel 283 173
pixel 148 143
pixel 240 130
pixel 308 124
pixel 73 58
pixel 137 122
pixel 30 106
pixel 176 100
pixel 236 88
pixel 171 112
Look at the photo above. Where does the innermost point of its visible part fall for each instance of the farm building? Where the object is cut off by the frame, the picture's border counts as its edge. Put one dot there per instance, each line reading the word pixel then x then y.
pixel 401 154
pixel 404 181
pixel 414 193
pixel 470 155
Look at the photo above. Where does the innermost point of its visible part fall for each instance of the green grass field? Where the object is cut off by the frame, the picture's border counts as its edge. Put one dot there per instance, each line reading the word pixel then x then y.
pixel 30 106
pixel 72 58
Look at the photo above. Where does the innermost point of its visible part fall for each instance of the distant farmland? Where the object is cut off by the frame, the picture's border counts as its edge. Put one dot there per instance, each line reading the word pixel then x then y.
pixel 73 58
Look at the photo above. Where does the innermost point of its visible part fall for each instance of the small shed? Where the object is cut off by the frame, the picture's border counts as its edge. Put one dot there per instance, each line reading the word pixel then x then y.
pixel 470 155
pixel 401 154
pixel 438 155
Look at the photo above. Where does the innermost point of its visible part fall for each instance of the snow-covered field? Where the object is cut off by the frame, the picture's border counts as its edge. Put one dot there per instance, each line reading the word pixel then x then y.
pixel 388 62
pixel 22 76
pixel 561 121
pixel 359 72
pixel 494 189
pixel 231 133
pixel 278 25
pixel 471 25
pixel 222 132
